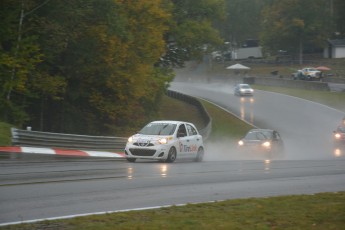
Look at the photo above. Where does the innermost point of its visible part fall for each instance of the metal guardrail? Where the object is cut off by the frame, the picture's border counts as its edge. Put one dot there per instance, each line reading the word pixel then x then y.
pixel 205 132
pixel 72 141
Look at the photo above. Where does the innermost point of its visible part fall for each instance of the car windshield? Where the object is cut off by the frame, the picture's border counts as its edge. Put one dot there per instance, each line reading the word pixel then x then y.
pixel 245 86
pixel 255 135
pixel 158 129
pixel 341 129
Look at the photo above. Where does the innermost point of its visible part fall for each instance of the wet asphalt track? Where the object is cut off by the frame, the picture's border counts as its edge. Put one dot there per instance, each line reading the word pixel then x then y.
pixel 36 187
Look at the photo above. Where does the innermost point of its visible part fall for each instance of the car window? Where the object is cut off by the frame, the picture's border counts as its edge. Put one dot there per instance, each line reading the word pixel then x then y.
pixel 261 136
pixel 341 129
pixel 182 130
pixel 251 136
pixel 191 130
pixel 158 129
pixel 267 134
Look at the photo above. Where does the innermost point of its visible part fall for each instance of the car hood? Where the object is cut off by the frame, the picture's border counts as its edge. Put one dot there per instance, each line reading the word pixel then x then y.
pixel 145 138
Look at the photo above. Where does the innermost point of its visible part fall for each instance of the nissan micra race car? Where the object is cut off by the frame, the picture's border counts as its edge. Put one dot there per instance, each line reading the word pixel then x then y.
pixel 165 141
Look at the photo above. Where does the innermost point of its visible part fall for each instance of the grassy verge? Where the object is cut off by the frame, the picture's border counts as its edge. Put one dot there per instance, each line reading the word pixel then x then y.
pixel 331 99
pixel 319 211
pixel 5 134
pixel 225 124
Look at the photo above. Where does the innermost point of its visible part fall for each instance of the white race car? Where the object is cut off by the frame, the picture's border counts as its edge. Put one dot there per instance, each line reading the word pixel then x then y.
pixel 165 141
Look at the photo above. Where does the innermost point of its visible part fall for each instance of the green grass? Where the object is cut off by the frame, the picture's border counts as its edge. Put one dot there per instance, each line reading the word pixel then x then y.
pixel 5 134
pixel 332 99
pixel 225 124
pixel 174 109
pixel 318 211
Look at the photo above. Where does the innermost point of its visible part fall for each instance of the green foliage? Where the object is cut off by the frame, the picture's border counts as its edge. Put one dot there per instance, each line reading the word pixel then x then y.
pixel 339 18
pixel 90 67
pixel 294 24
pixel 242 20
pixel 191 29
pixel 5 134
pixel 316 211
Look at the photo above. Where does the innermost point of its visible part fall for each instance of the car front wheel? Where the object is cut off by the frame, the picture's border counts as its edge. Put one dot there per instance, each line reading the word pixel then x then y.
pixel 171 155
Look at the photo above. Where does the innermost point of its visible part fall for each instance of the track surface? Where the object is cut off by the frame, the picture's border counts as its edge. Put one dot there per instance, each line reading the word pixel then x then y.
pixel 36 187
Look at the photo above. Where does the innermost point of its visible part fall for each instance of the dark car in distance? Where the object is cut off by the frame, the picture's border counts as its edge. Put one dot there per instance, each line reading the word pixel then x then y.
pixel 339 136
pixel 266 142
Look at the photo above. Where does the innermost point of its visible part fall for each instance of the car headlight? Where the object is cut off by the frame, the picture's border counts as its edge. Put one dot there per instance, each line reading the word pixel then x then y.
pixel 130 140
pixel 240 143
pixel 266 144
pixel 163 141
pixel 337 136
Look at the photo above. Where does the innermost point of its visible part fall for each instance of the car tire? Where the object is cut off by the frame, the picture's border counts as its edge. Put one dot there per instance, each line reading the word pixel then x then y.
pixel 131 159
pixel 200 155
pixel 171 155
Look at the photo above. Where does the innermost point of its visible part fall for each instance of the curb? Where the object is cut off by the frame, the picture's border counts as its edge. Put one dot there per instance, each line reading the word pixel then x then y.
pixel 61 152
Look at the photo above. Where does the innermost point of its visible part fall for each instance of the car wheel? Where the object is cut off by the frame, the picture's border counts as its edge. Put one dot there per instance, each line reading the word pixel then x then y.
pixel 199 155
pixel 171 155
pixel 131 159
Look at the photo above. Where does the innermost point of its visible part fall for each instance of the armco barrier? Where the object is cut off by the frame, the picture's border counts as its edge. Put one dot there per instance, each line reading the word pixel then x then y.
pixel 72 141
pixel 205 132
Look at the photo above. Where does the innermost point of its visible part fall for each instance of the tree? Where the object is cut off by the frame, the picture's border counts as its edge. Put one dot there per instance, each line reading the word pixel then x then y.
pixel 106 54
pixel 20 55
pixel 242 20
pixel 93 67
pixel 191 29
pixel 294 24
pixel 337 13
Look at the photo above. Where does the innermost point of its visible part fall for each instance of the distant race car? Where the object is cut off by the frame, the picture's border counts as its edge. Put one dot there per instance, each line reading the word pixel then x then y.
pixel 308 74
pixel 339 136
pixel 165 141
pixel 262 141
pixel 243 90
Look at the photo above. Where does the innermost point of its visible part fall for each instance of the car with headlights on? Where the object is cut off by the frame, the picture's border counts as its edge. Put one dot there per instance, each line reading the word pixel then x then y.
pixel 339 136
pixel 165 141
pixel 262 141
pixel 243 90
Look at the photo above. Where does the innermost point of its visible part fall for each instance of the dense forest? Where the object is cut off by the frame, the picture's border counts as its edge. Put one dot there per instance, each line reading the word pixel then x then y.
pixel 99 67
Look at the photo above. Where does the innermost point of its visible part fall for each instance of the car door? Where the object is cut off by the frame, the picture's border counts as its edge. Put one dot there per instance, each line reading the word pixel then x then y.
pixel 195 140
pixel 183 140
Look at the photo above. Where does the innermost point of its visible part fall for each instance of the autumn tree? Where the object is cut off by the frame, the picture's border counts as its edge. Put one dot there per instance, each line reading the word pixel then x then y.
pixel 242 21
pixel 293 25
pixel 95 67
pixel 20 55
pixel 191 30
pixel 106 53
